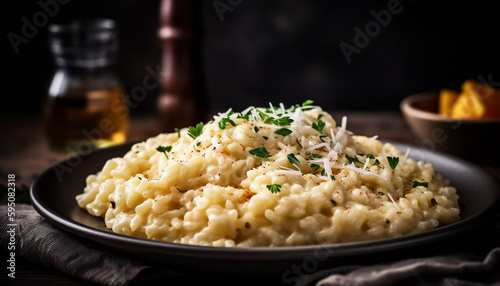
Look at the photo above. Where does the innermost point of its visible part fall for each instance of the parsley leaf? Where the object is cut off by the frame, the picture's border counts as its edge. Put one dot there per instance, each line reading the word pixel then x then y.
pixel 417 184
pixel 315 156
pixel 269 120
pixel 262 115
pixel 283 131
pixel 274 108
pixel 260 152
pixel 292 159
pixel 283 121
pixel 315 167
pixel 245 116
pixel 393 161
pixel 370 156
pixel 256 129
pixel 224 121
pixel 352 159
pixel 319 126
pixel 164 149
pixel 306 105
pixel 196 131
pixel 274 188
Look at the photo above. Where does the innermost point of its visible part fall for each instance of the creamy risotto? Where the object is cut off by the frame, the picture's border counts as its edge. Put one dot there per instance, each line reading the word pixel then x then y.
pixel 271 176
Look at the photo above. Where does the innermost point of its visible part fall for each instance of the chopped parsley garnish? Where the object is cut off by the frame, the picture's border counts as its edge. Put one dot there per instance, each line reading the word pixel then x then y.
pixel 256 129
pixel 307 103
pixel 417 184
pixel 283 121
pixel 352 159
pixel 323 173
pixel 381 193
pixel 224 121
pixel 393 161
pixel 315 156
pixel 321 137
pixel 292 159
pixel 164 149
pixel 260 152
pixel 305 106
pixel 262 115
pixel 245 116
pixel 269 110
pixel 265 137
pixel 178 132
pixel 319 125
pixel 274 188
pixel 370 156
pixel 283 131
pixel 195 131
pixel 315 167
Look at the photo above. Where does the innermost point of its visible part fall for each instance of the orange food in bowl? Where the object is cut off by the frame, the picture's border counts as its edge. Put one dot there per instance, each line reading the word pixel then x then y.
pixel 475 101
pixel 447 99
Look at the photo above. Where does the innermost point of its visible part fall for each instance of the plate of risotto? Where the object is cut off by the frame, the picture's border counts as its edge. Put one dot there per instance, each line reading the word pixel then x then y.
pixel 265 185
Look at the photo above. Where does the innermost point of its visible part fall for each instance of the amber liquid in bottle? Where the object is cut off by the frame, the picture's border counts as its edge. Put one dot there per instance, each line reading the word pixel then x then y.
pixel 85 107
pixel 92 119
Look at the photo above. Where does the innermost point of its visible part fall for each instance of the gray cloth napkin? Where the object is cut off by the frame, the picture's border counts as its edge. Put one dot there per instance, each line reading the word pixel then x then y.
pixel 446 270
pixel 40 242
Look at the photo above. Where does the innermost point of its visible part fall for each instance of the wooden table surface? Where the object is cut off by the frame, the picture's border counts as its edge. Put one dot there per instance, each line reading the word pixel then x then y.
pixel 25 153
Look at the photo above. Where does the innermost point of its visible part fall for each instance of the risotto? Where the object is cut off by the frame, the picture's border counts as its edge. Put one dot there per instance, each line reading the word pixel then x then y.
pixel 271 176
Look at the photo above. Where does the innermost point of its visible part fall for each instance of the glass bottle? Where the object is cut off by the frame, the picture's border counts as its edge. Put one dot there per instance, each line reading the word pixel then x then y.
pixel 85 107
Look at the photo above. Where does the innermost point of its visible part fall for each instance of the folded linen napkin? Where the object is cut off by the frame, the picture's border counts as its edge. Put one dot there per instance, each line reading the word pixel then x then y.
pixel 40 242
pixel 446 270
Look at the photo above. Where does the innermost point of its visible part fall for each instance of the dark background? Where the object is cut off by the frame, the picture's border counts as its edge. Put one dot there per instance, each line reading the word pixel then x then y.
pixel 279 51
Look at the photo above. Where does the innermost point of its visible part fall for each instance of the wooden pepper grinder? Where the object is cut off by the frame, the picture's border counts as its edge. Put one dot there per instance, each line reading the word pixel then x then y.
pixel 182 99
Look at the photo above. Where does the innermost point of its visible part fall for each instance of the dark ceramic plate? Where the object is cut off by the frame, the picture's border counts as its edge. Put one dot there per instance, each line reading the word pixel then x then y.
pixel 53 196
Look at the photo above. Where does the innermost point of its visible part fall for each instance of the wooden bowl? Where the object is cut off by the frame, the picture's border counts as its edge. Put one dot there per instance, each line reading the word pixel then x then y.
pixel 475 140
